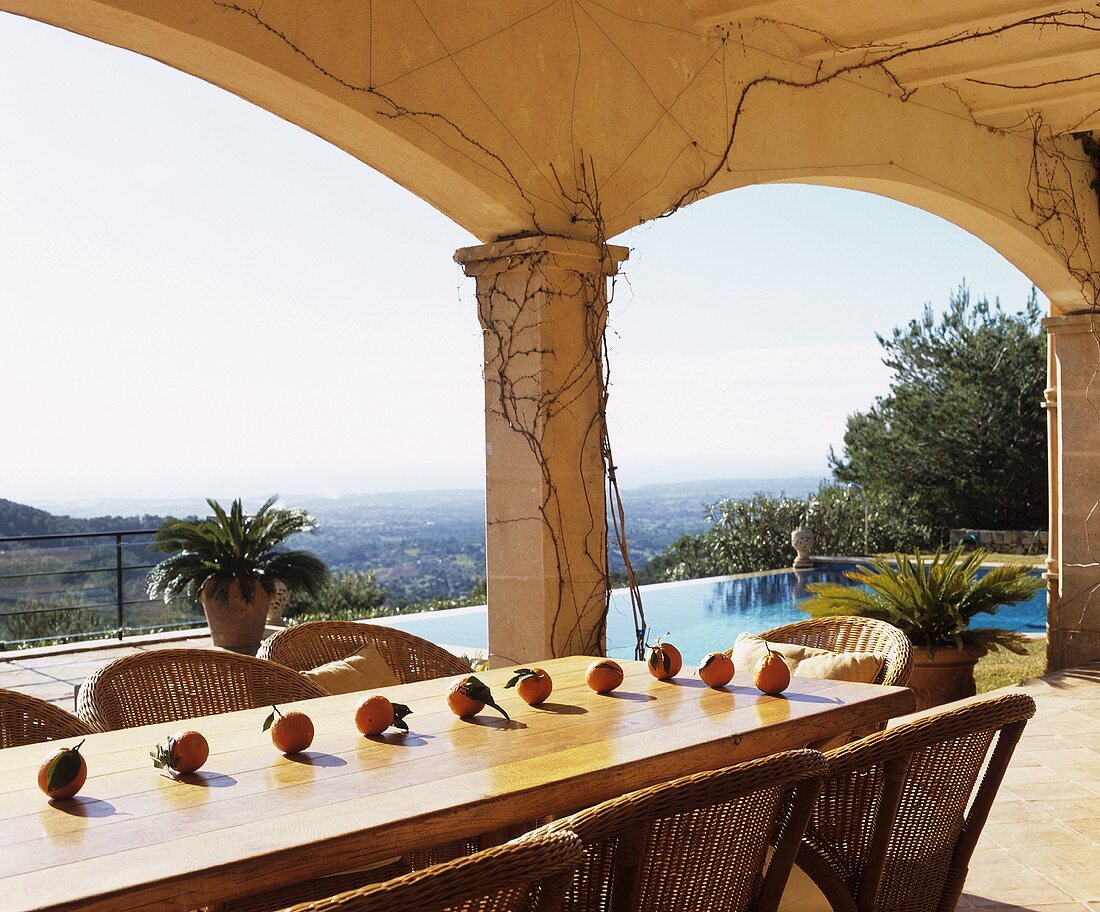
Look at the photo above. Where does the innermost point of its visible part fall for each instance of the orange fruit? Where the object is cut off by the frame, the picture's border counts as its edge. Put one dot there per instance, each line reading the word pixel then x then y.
pixel 532 684
pixel 62 774
pixel 375 714
pixel 664 661
pixel 604 675
pixel 716 669
pixel 772 675
pixel 468 696
pixel 183 752
pixel 291 732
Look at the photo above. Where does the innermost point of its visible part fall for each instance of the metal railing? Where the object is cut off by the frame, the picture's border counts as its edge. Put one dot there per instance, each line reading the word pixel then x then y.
pixel 91 593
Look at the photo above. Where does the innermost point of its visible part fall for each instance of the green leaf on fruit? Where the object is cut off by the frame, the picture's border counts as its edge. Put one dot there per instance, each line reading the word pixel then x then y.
pixel 657 654
pixel 519 674
pixel 164 755
pixel 476 689
pixel 64 768
pixel 400 710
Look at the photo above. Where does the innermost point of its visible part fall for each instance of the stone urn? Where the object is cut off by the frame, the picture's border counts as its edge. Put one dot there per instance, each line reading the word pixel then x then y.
pixel 236 624
pixel 279 600
pixel 945 677
pixel 802 540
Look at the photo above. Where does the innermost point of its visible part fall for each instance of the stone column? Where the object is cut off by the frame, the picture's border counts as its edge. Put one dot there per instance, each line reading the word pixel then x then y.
pixel 1072 401
pixel 542 304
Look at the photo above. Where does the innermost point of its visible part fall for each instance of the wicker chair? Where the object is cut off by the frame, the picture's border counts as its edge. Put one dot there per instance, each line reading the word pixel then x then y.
pixel 305 646
pixel 169 684
pixel 28 720
pixel 697 844
pixel 898 818
pixel 530 873
pixel 853 634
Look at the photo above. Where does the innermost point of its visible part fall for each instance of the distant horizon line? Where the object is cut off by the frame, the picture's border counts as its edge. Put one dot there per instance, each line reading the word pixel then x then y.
pixel 93 499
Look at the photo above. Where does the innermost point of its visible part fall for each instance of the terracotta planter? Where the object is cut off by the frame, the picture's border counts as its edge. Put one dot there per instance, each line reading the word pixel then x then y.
pixel 946 677
pixel 235 624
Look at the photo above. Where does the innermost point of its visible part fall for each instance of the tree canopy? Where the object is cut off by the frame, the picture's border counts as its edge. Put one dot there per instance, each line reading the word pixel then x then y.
pixel 960 439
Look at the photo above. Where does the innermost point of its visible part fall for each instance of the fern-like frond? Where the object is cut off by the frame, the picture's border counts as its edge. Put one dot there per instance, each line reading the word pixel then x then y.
pixel 232 546
pixel 931 600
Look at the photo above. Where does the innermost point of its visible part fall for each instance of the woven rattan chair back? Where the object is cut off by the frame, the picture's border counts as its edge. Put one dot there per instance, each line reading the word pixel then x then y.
pixel 853 634
pixel 28 720
pixel 528 874
pixel 901 811
pixel 697 844
pixel 164 685
pixel 306 646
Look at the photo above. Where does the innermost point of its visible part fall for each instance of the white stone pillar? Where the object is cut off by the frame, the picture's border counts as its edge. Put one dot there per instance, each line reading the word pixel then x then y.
pixel 542 303
pixel 1073 568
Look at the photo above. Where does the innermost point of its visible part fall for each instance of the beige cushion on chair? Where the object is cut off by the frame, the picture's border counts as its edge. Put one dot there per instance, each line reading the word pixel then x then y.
pixel 365 670
pixel 808 662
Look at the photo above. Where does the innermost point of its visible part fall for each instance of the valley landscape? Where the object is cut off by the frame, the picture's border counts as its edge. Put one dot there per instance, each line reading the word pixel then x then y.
pixel 422 545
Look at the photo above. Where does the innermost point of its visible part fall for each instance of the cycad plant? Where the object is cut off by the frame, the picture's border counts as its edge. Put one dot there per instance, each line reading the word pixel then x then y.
pixel 233 547
pixel 931 600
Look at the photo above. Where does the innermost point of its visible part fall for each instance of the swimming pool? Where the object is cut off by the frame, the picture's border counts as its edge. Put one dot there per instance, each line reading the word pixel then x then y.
pixel 699 615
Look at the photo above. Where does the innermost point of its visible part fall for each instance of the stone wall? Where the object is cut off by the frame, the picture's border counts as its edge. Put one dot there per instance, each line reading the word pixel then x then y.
pixel 1006 542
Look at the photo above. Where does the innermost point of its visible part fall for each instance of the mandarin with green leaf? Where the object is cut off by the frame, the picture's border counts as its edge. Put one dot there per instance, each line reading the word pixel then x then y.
pixel 291 732
pixel 63 773
pixel 184 752
pixel 468 696
pixel 664 661
pixel 532 684
pixel 376 713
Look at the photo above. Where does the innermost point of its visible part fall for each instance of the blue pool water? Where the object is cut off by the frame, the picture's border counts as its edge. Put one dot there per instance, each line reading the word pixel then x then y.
pixel 699 615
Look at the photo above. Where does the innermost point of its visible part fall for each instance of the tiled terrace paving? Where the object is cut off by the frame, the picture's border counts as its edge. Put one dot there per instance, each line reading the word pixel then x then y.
pixel 1040 850
pixel 1041 847
pixel 53 673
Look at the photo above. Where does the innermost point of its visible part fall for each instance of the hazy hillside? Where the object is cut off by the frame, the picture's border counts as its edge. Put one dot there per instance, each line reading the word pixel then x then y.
pixel 19 519
pixel 423 544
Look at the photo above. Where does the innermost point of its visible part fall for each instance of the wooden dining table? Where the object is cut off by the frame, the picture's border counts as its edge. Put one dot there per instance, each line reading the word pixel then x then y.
pixel 253 819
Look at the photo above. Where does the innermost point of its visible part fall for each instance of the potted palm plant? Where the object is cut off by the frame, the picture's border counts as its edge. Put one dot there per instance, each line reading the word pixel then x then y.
pixel 933 601
pixel 230 562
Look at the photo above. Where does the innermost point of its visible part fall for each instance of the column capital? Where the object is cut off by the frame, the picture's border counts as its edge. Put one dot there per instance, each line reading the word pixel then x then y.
pixel 1086 322
pixel 553 251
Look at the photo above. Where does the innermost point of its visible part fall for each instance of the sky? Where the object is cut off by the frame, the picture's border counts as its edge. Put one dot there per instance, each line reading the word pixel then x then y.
pixel 200 299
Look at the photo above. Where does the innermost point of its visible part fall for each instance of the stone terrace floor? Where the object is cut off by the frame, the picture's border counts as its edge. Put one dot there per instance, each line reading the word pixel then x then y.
pixel 54 673
pixel 1041 847
pixel 1040 850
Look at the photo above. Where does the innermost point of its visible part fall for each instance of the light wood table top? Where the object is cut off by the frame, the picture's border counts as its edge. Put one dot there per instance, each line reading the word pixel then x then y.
pixel 253 819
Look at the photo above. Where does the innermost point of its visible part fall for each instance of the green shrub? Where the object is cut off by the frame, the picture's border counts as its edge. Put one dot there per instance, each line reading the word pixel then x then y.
pixel 54 621
pixel 847 521
pixel 753 534
pixel 346 596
